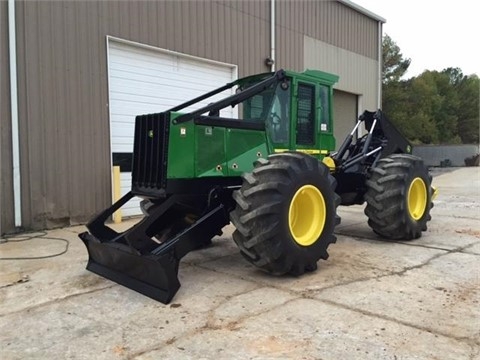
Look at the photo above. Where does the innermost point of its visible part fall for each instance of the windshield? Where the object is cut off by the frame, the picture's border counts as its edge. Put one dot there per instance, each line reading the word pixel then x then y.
pixel 257 107
pixel 252 101
pixel 271 107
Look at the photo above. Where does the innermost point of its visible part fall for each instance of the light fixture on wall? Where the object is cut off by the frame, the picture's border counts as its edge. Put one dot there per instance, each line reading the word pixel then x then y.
pixel 269 61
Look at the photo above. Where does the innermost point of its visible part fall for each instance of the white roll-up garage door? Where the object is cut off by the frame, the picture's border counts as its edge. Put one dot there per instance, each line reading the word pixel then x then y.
pixel 145 80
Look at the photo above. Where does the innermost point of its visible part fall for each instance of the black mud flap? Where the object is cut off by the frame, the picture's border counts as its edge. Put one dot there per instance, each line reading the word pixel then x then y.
pixel 135 260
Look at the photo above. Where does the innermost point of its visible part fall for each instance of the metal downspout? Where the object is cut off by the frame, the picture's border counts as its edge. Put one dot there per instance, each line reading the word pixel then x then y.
pixel 12 42
pixel 380 65
pixel 272 34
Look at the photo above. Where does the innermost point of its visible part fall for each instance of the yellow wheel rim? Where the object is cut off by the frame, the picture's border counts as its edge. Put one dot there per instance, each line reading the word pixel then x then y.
pixel 307 215
pixel 417 198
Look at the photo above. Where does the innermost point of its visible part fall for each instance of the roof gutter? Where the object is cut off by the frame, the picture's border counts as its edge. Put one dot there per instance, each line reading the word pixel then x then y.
pixel 12 43
pixel 363 11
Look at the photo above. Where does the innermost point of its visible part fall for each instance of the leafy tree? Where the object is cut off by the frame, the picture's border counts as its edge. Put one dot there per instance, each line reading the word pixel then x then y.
pixel 468 126
pixel 395 92
pixel 422 100
pixel 394 64
pixel 434 107
pixel 444 104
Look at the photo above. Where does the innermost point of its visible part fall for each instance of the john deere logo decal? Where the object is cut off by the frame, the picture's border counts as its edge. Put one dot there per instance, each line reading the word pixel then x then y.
pixel 150 134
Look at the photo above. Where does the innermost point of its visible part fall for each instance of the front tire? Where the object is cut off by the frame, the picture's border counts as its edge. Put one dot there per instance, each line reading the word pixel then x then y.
pixel 286 213
pixel 399 197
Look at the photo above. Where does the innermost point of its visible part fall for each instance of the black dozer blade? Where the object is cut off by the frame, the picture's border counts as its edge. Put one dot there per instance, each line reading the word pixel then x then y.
pixel 134 260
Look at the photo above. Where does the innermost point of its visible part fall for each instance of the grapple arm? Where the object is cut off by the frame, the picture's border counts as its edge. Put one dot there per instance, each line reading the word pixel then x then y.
pixel 355 158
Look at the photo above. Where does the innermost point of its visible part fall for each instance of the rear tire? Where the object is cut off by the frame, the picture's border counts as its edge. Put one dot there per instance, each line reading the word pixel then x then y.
pixel 286 213
pixel 399 197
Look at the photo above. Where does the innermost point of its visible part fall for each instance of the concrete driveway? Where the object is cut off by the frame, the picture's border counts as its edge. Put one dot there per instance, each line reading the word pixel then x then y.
pixel 371 300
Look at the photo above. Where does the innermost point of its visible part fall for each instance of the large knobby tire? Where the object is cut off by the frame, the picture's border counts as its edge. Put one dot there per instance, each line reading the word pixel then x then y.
pixel 399 197
pixel 286 213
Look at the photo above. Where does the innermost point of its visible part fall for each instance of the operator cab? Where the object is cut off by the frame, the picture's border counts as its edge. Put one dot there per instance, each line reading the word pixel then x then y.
pixel 297 112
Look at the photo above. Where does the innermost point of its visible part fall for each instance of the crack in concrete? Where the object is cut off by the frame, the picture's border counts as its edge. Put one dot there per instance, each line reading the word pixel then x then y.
pixel 233 325
pixel 169 342
pixel 49 302
pixel 307 294
pixel 21 280
pixel 120 350
pixel 457 217
pixel 396 272
pixel 208 326
pixel 444 249
pixel 230 326
pixel 475 354
pixel 375 240
pixel 407 243
pixel 341 226
pixel 198 262
pixel 464 339
pixel 265 283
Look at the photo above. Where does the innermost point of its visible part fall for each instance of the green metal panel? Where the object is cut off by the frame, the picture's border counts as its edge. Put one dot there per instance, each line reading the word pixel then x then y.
pixel 243 148
pixel 181 150
pixel 210 151
pixel 197 150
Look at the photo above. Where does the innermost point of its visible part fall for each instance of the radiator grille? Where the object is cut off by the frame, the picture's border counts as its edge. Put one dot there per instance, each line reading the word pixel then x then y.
pixel 150 152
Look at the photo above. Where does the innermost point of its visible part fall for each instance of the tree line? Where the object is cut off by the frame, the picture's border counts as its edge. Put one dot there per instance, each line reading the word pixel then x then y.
pixel 435 107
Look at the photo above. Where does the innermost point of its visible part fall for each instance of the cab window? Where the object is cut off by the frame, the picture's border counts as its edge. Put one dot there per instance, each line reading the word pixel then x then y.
pixel 324 108
pixel 278 121
pixel 306 115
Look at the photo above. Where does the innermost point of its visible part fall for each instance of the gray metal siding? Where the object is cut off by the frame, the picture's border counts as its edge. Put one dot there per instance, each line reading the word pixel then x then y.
pixel 63 113
pixel 358 74
pixel 288 44
pixel 63 103
pixel 6 185
pixel 328 21
pixel 226 31
pixel 344 113
pixel 62 75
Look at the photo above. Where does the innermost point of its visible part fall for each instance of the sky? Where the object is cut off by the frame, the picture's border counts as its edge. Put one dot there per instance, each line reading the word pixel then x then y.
pixel 434 34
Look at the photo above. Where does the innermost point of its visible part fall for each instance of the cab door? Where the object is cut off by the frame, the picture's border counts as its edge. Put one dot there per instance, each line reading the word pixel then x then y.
pixel 305 126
